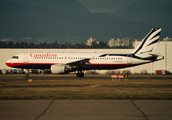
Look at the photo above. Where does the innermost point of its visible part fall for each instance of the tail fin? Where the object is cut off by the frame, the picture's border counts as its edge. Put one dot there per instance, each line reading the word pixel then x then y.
pixel 148 43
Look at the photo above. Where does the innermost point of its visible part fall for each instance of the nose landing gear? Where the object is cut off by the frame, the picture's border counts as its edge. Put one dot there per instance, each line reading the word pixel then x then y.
pixel 27 73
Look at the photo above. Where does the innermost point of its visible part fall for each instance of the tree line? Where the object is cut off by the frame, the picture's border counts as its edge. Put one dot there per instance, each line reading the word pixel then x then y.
pixel 11 44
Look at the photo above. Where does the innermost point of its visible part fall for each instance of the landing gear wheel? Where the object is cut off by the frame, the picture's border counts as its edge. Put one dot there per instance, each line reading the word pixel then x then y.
pixel 80 74
pixel 26 75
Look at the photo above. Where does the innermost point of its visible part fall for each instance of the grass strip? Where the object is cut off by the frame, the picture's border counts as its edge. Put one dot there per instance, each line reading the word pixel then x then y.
pixel 85 93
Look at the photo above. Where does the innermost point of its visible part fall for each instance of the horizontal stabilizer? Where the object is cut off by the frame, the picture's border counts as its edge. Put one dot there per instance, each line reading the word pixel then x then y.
pixel 151 57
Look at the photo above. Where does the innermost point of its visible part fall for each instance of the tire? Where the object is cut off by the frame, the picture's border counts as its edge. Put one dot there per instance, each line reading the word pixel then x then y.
pixel 80 74
pixel 26 75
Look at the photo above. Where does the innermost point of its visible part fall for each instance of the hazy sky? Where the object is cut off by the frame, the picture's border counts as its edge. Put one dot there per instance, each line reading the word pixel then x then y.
pixel 108 5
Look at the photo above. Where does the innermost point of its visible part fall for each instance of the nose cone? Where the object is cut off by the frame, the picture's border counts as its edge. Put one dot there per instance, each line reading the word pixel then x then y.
pixel 9 63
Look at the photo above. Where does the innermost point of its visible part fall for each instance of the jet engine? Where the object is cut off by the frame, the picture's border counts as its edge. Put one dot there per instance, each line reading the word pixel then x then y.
pixel 60 69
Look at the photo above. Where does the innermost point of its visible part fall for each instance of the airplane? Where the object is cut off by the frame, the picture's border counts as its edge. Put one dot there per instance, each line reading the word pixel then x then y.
pixel 64 63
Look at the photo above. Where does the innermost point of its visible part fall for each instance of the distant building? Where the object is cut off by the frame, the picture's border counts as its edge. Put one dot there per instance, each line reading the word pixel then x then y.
pixel 125 42
pixel 119 42
pixel 5 40
pixel 167 39
pixel 111 43
pixel 134 43
pixel 90 41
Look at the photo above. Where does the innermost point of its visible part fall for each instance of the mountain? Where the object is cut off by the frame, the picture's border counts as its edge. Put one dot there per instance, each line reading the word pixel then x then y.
pixel 153 13
pixel 61 24
pixel 64 5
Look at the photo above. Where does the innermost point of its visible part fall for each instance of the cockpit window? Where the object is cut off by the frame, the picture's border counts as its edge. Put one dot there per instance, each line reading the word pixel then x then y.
pixel 15 57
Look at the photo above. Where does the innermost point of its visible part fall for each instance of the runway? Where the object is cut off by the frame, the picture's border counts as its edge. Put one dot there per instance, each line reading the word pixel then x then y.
pixel 86 110
pixel 13 77
pixel 54 109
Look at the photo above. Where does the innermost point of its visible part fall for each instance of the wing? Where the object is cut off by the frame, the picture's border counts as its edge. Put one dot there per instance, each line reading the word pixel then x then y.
pixel 79 63
pixel 68 67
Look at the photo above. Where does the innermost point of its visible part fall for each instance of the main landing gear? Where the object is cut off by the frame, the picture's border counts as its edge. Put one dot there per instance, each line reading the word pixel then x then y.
pixel 80 74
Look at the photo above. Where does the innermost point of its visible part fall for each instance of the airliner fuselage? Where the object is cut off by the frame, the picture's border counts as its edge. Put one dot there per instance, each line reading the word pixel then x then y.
pixel 97 60
pixel 61 63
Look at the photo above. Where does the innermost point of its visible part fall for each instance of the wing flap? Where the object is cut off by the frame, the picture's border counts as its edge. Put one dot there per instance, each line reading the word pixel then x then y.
pixel 80 63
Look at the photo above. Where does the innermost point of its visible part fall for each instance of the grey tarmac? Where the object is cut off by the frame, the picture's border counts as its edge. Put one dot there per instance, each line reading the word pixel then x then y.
pixel 18 77
pixel 85 110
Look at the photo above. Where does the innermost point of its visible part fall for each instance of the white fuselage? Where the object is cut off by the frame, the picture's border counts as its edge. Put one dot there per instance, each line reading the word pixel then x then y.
pixel 97 60
pixel 68 62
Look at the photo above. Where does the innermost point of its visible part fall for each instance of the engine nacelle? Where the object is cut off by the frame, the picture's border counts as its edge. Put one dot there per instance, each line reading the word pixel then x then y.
pixel 58 69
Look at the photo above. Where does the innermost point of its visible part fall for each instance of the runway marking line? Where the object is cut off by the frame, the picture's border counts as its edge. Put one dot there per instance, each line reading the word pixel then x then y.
pixel 139 110
pixel 45 110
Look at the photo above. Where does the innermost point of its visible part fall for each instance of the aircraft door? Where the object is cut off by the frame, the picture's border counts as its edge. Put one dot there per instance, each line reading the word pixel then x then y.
pixel 26 58
pixel 129 59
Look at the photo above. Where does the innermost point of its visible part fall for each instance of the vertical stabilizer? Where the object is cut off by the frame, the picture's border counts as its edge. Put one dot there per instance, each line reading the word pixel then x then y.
pixel 148 43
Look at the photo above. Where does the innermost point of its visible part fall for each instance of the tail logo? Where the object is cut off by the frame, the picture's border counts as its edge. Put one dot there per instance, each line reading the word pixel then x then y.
pixel 149 42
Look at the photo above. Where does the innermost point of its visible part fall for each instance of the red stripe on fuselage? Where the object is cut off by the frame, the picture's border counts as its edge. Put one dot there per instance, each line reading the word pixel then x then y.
pixel 44 65
pixel 22 64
